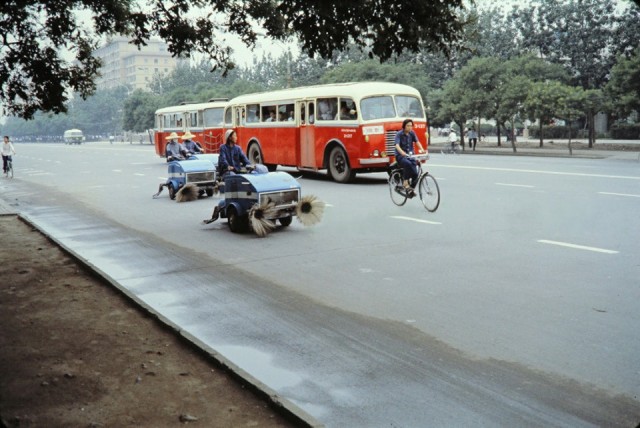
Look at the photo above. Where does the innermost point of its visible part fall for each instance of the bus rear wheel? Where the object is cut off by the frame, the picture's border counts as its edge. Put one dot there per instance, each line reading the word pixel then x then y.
pixel 254 154
pixel 339 168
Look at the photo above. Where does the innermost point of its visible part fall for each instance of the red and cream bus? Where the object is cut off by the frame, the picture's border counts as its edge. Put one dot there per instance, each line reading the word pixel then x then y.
pixel 344 128
pixel 204 120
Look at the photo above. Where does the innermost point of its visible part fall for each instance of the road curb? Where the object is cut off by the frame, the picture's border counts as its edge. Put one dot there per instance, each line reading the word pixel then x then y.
pixel 281 405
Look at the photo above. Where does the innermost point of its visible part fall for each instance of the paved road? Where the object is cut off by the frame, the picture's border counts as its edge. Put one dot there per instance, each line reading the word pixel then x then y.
pixel 526 275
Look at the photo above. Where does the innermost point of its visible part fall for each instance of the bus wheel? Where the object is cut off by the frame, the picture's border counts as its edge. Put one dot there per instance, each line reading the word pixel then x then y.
pixel 339 168
pixel 254 154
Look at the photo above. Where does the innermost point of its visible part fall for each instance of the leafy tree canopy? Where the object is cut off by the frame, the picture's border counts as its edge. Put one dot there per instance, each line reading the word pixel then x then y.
pixel 34 76
pixel 624 86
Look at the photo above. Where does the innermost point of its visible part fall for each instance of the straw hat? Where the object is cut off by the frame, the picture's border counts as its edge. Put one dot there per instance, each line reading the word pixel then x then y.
pixel 173 136
pixel 187 136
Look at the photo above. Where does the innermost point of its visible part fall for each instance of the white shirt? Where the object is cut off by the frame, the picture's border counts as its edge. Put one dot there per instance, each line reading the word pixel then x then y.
pixel 7 149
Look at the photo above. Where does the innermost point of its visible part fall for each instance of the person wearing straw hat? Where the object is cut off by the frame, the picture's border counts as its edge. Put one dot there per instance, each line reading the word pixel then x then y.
pixel 190 145
pixel 174 150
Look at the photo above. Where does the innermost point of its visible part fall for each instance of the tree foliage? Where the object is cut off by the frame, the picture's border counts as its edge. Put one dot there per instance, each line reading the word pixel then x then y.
pixel 624 87
pixel 34 76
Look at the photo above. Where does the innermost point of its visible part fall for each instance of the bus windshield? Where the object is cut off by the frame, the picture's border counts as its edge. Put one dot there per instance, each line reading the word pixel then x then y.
pixel 409 106
pixel 377 108
pixel 383 107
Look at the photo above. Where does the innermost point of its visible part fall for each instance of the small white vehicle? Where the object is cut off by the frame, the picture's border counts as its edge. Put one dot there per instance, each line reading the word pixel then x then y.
pixel 73 136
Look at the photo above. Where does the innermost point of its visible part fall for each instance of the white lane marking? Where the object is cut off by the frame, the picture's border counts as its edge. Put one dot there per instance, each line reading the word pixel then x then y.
pixel 138 174
pixel 162 178
pixel 116 170
pixel 515 185
pixel 535 171
pixel 328 205
pixel 417 220
pixel 619 194
pixel 578 247
pixel 33 174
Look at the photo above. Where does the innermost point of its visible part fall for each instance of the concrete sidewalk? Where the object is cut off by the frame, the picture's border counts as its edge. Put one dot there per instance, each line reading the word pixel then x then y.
pixel 617 149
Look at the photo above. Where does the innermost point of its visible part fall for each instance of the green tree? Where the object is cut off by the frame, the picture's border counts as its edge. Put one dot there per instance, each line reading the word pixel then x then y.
pixel 543 101
pixel 623 89
pixel 449 105
pixel 585 36
pixel 510 101
pixel 571 106
pixel 34 76
pixel 139 111
pixel 370 70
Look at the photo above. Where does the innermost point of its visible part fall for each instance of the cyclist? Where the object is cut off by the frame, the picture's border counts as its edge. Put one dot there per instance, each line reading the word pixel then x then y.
pixel 404 141
pixel 453 139
pixel 7 151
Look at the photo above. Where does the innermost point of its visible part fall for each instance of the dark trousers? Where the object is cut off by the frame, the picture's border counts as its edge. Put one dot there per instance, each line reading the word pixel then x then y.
pixel 473 141
pixel 4 162
pixel 409 170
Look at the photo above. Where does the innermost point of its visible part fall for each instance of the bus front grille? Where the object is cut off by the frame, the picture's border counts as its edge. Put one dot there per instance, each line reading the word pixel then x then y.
pixel 390 142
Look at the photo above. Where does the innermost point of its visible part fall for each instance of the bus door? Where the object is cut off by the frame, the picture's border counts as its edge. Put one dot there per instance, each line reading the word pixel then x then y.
pixel 307 128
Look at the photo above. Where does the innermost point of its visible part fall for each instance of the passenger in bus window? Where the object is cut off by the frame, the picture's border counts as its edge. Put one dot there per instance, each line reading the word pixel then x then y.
pixel 404 141
pixel 253 116
pixel 327 108
pixel 282 117
pixel 344 113
pixel 272 116
pixel 291 116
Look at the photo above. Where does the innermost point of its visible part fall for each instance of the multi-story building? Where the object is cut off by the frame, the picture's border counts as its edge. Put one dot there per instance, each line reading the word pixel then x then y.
pixel 124 64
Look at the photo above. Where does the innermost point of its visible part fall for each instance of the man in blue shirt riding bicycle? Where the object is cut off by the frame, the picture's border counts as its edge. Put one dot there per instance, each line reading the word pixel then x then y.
pixel 404 141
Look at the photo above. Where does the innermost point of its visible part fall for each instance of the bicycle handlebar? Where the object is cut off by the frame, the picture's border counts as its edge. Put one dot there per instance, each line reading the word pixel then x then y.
pixel 420 156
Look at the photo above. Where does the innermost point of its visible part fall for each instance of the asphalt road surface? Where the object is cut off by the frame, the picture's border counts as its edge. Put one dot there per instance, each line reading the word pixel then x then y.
pixel 514 304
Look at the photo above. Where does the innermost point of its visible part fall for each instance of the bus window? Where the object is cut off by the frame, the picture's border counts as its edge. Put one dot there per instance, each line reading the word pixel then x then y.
pixel 193 119
pixel 377 108
pixel 269 114
pixel 347 110
pixel 253 113
pixel 228 118
pixel 327 108
pixel 285 112
pixel 409 106
pixel 213 117
pixel 239 115
pixel 312 117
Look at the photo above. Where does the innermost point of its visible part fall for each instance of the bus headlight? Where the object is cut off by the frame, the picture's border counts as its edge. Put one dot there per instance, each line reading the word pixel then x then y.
pixel 376 153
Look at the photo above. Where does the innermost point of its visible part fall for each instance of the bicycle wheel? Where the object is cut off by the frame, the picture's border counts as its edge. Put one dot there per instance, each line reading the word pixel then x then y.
pixel 395 189
pixel 429 192
pixel 10 169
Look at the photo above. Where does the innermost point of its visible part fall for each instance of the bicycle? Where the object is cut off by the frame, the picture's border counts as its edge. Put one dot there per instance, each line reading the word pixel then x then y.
pixel 449 149
pixel 9 173
pixel 428 189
